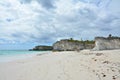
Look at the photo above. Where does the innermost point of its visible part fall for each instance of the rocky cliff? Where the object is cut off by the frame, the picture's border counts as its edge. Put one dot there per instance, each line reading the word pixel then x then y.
pixel 102 43
pixel 42 48
pixel 71 45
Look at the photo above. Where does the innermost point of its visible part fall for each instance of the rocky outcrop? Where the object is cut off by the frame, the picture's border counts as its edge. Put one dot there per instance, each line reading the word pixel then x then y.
pixel 42 48
pixel 109 43
pixel 71 45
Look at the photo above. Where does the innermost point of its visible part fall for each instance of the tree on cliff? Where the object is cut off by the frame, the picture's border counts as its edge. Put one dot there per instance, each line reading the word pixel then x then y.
pixel 71 39
pixel 110 36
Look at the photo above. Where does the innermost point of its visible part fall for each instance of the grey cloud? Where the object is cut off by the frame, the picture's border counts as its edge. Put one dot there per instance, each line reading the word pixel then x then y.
pixel 48 4
pixel 105 29
pixel 99 3
pixel 5 4
pixel 88 13
pixel 25 1
pixel 107 22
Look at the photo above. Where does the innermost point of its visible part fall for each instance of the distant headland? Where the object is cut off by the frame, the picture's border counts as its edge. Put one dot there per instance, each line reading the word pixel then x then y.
pixel 100 43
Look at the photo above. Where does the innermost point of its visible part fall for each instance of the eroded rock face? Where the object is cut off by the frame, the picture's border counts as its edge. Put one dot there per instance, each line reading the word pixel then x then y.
pixel 67 45
pixel 109 43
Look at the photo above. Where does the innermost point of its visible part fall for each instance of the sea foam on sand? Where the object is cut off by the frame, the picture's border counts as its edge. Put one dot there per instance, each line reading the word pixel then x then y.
pixel 83 65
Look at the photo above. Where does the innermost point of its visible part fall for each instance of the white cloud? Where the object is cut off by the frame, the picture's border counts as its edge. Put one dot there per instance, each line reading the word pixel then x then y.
pixel 34 20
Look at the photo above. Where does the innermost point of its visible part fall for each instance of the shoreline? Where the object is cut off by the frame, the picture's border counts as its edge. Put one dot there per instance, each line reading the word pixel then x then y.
pixel 66 65
pixel 15 57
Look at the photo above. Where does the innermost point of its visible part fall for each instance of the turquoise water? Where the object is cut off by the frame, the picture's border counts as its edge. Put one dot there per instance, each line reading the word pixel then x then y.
pixel 10 55
pixel 14 52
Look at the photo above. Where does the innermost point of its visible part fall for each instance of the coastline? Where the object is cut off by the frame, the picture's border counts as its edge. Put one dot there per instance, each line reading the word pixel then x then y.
pixel 14 55
pixel 66 65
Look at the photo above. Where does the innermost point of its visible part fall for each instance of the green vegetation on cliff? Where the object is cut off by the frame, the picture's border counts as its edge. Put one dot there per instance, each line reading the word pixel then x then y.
pixel 81 41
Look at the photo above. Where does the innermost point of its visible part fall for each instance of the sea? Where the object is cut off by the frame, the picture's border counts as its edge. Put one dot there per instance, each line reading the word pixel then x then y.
pixel 11 55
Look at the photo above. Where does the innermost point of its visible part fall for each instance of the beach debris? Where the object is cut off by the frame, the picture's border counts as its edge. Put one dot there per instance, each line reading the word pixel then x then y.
pixel 114 77
pixel 99 54
pixel 95 59
pixel 104 75
pixel 106 62
pixel 113 70
pixel 93 70
pixel 39 54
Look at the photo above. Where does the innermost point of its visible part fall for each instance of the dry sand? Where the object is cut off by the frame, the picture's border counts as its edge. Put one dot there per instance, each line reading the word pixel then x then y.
pixel 83 65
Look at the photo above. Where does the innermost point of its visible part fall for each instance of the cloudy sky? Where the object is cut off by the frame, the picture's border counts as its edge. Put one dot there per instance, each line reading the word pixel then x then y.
pixel 26 23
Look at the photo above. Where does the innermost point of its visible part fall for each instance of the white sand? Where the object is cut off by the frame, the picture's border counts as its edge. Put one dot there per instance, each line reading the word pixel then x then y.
pixel 84 65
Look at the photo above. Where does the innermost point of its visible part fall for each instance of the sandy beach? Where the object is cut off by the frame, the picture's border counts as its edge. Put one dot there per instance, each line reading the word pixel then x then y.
pixel 67 65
